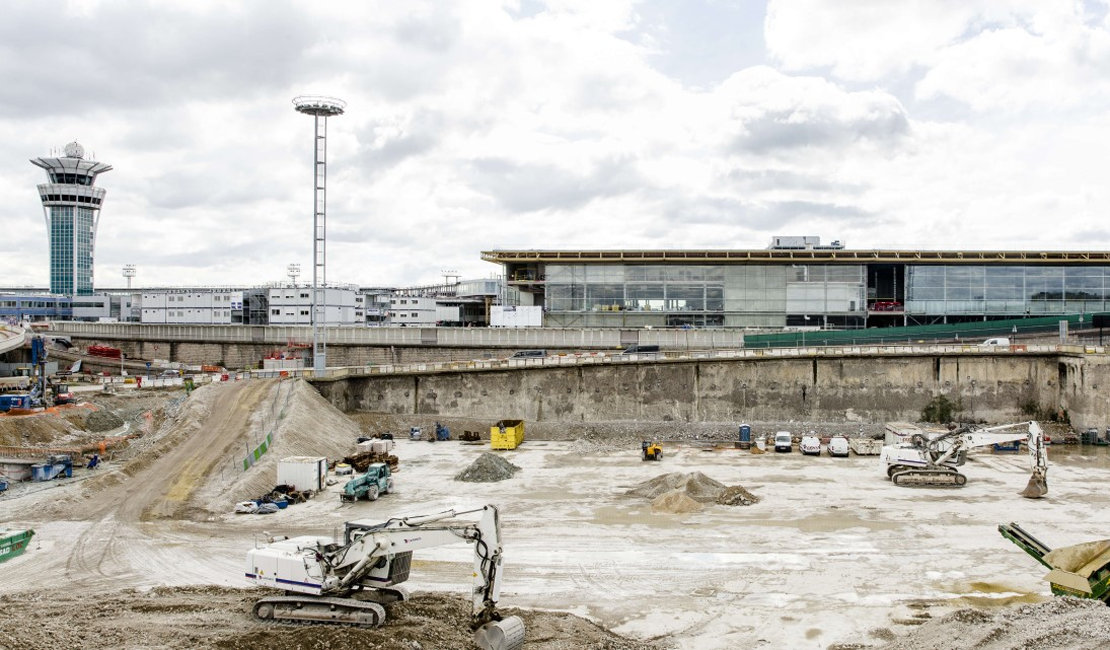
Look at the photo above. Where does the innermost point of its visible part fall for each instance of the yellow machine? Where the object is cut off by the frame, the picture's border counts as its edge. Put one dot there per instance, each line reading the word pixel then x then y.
pixel 651 450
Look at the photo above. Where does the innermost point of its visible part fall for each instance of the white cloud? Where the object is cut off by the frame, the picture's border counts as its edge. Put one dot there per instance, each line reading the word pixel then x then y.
pixel 474 125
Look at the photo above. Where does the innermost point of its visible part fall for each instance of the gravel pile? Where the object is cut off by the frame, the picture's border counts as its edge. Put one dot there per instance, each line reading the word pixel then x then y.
pixel 487 468
pixel 1058 624
pixel 103 420
pixel 695 485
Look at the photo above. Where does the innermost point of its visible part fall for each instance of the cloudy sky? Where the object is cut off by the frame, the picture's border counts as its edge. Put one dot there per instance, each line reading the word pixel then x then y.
pixel 574 124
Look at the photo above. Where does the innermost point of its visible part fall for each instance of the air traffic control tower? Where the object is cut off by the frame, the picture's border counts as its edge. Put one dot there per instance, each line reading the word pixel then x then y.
pixel 71 205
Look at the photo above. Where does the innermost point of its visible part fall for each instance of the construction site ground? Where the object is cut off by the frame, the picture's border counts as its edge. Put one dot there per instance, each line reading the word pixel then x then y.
pixel 145 553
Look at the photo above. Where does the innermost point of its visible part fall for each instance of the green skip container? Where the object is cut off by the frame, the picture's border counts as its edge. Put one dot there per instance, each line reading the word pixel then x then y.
pixel 13 542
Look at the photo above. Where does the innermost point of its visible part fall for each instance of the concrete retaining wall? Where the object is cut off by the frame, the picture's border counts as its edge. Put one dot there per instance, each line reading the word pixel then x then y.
pixel 850 389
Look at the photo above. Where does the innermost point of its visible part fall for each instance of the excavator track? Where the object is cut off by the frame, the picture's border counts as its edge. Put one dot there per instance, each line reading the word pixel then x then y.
pixel 319 609
pixel 928 478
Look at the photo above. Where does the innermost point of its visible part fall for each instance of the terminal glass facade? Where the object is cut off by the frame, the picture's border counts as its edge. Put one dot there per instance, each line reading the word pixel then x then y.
pixel 671 295
pixel 949 290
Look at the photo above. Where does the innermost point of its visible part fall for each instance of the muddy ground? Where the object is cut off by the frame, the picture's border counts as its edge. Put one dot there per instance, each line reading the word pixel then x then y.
pixel 145 552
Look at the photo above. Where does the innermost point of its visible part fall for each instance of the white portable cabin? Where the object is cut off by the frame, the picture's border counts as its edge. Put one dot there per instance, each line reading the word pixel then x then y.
pixel 303 472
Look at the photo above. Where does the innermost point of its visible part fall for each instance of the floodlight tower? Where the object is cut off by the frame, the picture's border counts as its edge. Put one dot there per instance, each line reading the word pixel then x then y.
pixel 320 108
pixel 129 272
pixel 293 270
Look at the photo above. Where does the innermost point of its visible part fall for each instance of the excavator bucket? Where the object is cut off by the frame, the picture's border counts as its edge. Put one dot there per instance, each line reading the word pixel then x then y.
pixel 1037 487
pixel 506 634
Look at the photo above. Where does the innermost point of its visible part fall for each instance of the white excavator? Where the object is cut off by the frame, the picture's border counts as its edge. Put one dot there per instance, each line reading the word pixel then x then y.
pixel 346 581
pixel 931 460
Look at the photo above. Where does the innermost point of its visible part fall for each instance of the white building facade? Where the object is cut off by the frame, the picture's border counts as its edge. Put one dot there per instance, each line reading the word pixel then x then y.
pixel 192 306
pixel 292 305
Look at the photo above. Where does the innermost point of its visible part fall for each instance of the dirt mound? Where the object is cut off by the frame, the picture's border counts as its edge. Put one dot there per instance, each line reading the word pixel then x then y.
pixel 696 485
pixel 39 430
pixel 102 420
pixel 303 424
pixel 487 468
pixel 736 495
pixel 675 502
pixel 192 618
pixel 1059 624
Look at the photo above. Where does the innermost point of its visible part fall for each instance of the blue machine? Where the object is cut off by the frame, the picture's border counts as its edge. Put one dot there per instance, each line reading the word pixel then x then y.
pixel 442 432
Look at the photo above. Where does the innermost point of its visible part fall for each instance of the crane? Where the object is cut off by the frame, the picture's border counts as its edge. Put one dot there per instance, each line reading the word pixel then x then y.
pixel 321 574
pixel 931 461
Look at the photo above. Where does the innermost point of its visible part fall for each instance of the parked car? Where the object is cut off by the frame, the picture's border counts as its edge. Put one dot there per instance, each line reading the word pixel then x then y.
pixel 784 441
pixel 529 354
pixel 838 446
pixel 1001 342
pixel 641 349
pixel 811 445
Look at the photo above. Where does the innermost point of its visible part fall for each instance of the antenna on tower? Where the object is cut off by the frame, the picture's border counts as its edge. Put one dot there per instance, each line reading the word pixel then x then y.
pixel 129 272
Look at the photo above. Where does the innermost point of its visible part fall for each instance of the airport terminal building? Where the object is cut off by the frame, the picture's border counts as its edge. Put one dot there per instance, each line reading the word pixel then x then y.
pixel 799 283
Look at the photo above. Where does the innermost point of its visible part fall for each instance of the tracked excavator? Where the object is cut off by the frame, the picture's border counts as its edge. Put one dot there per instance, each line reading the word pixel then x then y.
pixel 346 581
pixel 932 460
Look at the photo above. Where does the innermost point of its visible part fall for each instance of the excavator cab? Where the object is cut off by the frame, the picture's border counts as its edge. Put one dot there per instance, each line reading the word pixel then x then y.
pixel 651 450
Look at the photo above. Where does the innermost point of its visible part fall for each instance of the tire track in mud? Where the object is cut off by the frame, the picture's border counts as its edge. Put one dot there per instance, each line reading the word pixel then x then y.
pixel 118 545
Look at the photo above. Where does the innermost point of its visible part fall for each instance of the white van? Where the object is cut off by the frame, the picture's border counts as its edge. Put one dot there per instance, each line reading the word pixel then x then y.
pixel 997 342
pixel 784 441
pixel 810 445
pixel 838 446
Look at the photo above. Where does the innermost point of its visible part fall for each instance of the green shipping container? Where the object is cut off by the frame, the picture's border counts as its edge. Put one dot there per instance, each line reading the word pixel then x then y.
pixel 13 542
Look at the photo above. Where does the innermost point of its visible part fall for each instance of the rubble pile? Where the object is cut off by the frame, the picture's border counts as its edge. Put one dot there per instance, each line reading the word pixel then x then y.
pixel 487 468
pixel 1060 624
pixel 103 420
pixel 736 496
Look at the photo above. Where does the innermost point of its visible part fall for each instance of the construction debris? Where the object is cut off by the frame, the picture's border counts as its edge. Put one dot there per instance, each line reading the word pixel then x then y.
pixel 487 468
pixel 736 495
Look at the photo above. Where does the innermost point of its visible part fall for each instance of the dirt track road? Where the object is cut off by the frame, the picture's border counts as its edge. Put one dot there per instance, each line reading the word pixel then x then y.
pixel 131 528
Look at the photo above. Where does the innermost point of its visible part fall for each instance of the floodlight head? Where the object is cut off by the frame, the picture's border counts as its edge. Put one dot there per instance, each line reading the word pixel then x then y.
pixel 319 105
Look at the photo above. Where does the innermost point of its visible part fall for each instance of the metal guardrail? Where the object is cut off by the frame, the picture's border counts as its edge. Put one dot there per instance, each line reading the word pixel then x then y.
pixel 465 337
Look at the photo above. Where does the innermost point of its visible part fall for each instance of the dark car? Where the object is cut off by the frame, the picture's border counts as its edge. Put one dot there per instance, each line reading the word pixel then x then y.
pixel 641 349
pixel 529 354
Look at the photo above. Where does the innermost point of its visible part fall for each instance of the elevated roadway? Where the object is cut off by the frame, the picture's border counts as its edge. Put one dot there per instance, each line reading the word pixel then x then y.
pixel 11 338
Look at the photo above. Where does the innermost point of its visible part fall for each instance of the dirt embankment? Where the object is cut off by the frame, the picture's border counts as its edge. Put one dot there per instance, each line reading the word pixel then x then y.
pixel 219 618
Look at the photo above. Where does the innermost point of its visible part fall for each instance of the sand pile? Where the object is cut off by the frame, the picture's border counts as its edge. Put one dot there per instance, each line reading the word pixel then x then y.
pixel 487 468
pixel 303 424
pixel 1059 624
pixel 695 485
pixel 675 502
pixel 736 496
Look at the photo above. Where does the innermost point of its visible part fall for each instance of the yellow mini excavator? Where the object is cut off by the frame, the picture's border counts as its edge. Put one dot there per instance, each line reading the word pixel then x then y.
pixel 651 450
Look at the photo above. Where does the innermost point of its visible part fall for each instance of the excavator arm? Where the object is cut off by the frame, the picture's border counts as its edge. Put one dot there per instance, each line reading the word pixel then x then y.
pixel 377 557
pixel 932 461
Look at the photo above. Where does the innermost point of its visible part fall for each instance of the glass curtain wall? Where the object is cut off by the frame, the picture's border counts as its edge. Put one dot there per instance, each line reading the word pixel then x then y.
pixel 688 295
pixel 1006 290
